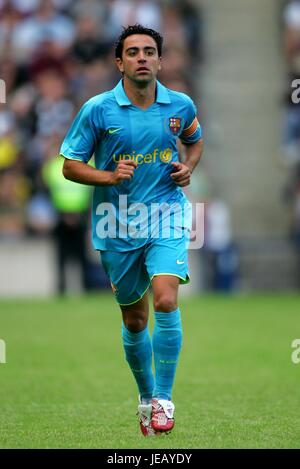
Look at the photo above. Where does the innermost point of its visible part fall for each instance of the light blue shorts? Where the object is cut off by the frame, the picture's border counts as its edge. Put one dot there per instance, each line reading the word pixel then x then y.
pixel 131 272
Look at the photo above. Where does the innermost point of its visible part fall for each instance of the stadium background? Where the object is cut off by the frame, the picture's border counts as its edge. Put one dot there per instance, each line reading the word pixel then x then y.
pixel 237 60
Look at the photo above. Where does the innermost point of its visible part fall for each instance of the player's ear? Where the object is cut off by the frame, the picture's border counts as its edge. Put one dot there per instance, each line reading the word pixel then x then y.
pixel 119 64
pixel 159 64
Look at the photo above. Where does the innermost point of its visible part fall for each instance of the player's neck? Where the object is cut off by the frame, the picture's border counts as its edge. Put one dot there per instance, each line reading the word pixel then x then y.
pixel 142 96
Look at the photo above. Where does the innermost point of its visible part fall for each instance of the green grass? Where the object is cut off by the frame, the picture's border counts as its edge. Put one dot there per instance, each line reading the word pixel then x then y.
pixel 66 383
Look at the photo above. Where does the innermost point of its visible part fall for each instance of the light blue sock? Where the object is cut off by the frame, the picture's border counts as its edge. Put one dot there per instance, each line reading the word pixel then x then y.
pixel 166 343
pixel 138 351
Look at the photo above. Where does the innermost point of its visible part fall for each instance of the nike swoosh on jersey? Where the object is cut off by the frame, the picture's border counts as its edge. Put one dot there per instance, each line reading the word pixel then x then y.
pixel 113 131
pixel 179 262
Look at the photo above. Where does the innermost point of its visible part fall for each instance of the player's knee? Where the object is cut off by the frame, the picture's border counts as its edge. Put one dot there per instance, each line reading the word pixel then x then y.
pixel 136 324
pixel 165 303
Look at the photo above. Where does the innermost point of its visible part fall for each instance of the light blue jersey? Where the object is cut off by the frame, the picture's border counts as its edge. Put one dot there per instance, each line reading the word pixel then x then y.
pixel 112 128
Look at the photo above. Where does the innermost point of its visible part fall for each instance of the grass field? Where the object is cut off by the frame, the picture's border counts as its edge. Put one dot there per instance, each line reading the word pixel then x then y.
pixel 66 383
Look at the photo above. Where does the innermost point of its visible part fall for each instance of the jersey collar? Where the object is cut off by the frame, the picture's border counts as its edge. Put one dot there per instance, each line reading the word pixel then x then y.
pixel 162 95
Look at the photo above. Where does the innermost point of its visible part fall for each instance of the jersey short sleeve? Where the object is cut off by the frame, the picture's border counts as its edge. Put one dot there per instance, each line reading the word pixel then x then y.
pixel 80 141
pixel 191 132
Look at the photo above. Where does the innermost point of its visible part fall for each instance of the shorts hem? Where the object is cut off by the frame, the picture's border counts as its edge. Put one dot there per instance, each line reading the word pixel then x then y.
pixel 184 281
pixel 135 301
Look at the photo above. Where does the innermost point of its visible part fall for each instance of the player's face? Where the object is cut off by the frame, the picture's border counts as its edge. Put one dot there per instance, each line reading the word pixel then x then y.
pixel 140 62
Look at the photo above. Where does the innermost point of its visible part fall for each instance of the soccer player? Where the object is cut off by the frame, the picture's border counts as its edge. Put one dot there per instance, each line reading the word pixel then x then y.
pixel 132 131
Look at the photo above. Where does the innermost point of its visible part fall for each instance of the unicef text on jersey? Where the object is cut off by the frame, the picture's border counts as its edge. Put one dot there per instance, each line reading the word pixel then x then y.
pixel 156 220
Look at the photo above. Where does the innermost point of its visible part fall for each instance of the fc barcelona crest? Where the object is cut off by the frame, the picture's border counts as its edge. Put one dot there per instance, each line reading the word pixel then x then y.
pixel 175 125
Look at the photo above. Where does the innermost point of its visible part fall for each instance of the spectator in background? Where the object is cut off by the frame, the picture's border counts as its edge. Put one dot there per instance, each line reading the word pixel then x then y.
pixel 10 21
pixel 21 105
pixel 46 24
pixel 220 250
pixel 291 121
pixel 23 7
pixel 296 226
pixel 291 197
pixel 124 12
pixel 92 9
pixel 90 44
pixel 291 36
pixel 91 54
pixel 193 27
pixel 14 188
pixel 71 202
pixel 53 110
pixel 9 151
pixel 291 50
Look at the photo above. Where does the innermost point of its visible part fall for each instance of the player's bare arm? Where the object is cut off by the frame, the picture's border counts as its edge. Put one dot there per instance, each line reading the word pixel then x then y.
pixel 183 171
pixel 78 171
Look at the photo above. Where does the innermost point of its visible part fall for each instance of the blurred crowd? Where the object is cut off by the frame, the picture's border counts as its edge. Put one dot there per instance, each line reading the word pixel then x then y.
pixel 54 55
pixel 291 118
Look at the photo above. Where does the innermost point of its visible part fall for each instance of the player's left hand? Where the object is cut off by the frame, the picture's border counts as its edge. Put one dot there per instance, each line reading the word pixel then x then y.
pixel 182 174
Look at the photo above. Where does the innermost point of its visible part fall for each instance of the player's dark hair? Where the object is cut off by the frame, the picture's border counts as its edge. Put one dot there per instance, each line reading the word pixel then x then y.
pixel 137 29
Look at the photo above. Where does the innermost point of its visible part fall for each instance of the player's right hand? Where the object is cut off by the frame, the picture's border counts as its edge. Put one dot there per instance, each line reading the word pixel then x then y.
pixel 124 171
